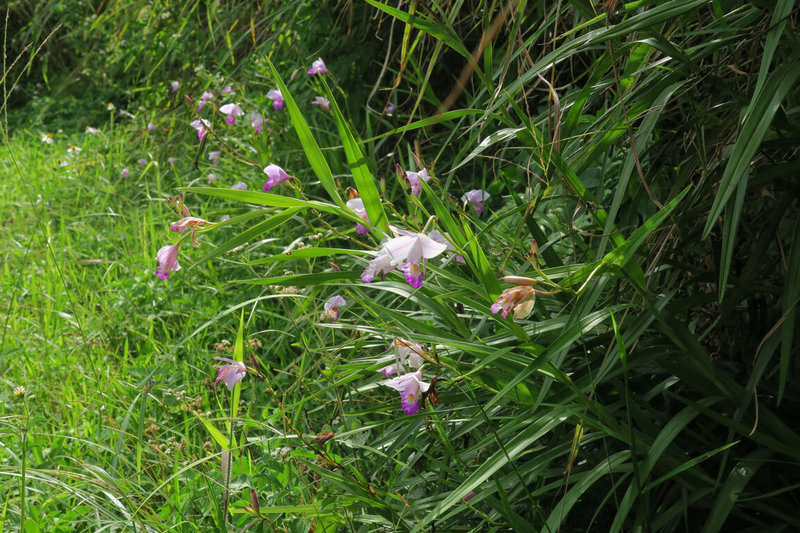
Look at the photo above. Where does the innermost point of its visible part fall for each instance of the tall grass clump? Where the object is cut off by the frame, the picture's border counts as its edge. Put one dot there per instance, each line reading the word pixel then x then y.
pixel 467 266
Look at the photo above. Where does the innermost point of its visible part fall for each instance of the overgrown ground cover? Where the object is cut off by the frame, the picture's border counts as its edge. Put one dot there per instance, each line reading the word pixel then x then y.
pixel 603 339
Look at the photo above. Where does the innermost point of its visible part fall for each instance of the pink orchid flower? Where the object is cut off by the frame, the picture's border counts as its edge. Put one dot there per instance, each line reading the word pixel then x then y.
pixel 332 306
pixel 213 156
pixel 175 85
pixel 277 99
pixel 151 127
pixel 476 197
pixel 390 109
pixel 233 111
pixel 227 90
pixel 167 257
pixel 142 161
pixel 201 126
pixel 171 161
pixel 408 248
pixel 519 300
pixel 409 386
pixel 318 67
pixel 256 121
pixel 230 374
pixel 203 99
pixel 125 173
pixel 414 179
pixel 357 205
pixel 240 186
pixel 323 102
pixel 276 176
pixel 382 264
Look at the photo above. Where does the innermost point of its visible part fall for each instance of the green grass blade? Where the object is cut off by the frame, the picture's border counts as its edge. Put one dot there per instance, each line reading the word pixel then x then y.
pixel 264 226
pixel 238 355
pixel 777 24
pixel 365 183
pixel 511 451
pixel 425 122
pixel 757 120
pixel 483 269
pixel 738 479
pixel 272 200
pixel 733 213
pixel 582 483
pixel 621 255
pixel 301 280
pixel 687 465
pixel 216 434
pixel 306 253
pixel 432 28
pixel 315 156
pixel 791 293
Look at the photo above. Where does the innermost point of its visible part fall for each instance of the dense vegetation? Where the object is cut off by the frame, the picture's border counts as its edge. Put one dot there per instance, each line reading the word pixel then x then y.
pixel 469 266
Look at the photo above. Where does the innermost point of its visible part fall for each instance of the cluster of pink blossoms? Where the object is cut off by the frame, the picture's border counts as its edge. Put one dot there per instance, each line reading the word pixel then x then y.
pixel 405 249
pixel 167 256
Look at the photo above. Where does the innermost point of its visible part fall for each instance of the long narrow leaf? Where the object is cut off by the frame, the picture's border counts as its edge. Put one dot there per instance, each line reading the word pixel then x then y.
pixel 315 156
pixel 757 120
pixel 365 183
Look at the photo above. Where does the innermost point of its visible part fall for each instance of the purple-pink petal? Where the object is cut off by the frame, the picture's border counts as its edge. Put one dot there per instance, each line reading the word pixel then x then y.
pixel 323 102
pixel 275 176
pixel 230 374
pixel 413 274
pixel 277 99
pixel 318 67
pixel 167 257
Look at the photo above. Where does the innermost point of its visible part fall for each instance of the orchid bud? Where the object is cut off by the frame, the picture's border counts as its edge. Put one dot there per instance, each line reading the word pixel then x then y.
pixel 254 501
pixel 533 256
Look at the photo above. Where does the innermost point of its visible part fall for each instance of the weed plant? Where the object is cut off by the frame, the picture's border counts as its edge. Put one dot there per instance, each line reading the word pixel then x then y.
pixel 605 332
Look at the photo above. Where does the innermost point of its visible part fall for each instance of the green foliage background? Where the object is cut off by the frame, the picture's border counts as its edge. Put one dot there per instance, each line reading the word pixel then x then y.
pixel 650 148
